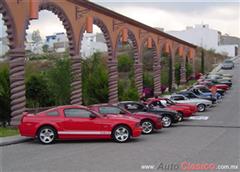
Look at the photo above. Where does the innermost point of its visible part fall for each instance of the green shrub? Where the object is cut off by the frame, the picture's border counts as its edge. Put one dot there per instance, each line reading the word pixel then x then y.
pixel 125 63
pixel 37 92
pixel 95 80
pixel 5 109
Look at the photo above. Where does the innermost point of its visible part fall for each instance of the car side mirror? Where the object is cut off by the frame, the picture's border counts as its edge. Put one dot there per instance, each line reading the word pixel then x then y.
pixel 93 116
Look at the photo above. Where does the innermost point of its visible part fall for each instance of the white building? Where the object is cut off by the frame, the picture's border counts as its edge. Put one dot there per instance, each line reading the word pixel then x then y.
pixel 92 43
pixel 207 38
pixel 57 42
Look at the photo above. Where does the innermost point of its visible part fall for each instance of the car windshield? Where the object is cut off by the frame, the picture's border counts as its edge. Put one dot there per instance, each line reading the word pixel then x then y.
pixel 204 90
pixel 228 61
pixel 170 102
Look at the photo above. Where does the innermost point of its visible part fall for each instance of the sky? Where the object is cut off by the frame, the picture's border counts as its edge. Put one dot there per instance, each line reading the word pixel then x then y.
pixel 221 15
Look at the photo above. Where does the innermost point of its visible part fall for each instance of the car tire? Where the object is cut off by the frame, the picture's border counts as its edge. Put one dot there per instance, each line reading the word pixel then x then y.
pixel 121 134
pixel 147 126
pixel 47 135
pixel 181 116
pixel 166 121
pixel 201 107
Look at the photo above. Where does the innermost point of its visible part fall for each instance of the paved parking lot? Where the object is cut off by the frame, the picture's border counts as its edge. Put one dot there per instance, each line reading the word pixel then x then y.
pixel 216 140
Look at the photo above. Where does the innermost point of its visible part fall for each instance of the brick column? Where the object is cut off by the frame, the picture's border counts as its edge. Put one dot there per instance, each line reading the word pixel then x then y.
pixel 138 73
pixel 17 84
pixel 113 81
pixel 157 76
pixel 76 85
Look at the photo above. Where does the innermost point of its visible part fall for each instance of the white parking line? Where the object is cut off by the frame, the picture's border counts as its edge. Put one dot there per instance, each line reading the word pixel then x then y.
pixel 199 118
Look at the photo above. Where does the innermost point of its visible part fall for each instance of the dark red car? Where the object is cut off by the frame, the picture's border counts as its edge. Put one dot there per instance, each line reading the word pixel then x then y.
pixel 209 84
pixel 78 122
pixel 148 121
pixel 183 110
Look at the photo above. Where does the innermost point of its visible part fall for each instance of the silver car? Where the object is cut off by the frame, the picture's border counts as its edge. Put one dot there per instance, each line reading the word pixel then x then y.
pixel 227 64
pixel 201 104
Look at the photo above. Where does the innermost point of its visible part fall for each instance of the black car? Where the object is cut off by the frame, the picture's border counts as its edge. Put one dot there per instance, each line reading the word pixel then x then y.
pixel 168 116
pixel 193 94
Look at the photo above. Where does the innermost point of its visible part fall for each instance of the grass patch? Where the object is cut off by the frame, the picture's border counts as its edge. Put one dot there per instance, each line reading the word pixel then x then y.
pixel 5 132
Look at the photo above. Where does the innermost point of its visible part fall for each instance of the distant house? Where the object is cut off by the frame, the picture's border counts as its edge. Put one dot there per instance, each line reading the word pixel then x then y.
pixel 208 38
pixel 92 43
pixel 57 42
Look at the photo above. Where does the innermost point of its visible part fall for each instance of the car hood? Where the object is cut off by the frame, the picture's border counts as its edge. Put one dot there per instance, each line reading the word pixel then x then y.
pixel 148 114
pixel 200 101
pixel 120 117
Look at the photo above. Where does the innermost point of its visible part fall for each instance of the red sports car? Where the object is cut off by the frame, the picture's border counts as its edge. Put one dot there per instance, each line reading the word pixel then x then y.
pixel 78 122
pixel 209 84
pixel 148 121
pixel 192 107
pixel 183 110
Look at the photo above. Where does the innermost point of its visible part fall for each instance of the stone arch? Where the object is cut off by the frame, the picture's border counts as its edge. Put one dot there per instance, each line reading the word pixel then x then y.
pixel 103 27
pixel 133 38
pixel 112 64
pixel 9 22
pixel 16 67
pixel 156 64
pixel 137 57
pixel 59 12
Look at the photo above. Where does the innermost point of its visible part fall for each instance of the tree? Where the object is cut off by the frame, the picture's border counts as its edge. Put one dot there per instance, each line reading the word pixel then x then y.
pixel 125 63
pixel 95 80
pixel 37 92
pixel 59 81
pixel 5 109
pixel 45 48
pixel 36 37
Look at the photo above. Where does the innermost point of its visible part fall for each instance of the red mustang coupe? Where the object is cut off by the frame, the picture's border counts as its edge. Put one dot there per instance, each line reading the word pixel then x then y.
pixel 78 122
pixel 183 110
pixel 148 121
pixel 192 107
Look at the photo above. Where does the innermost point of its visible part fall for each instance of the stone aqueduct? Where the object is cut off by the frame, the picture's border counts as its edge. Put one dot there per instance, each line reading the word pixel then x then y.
pixel 77 17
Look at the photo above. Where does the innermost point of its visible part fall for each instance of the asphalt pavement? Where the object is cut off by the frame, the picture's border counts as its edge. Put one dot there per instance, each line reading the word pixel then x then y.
pixel 212 141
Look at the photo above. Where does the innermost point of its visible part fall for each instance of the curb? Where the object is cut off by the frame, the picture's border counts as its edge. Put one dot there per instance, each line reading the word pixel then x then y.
pixel 5 141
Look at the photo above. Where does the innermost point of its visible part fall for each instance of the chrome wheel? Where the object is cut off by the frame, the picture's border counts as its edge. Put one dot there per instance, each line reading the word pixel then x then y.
pixel 46 135
pixel 201 108
pixel 121 134
pixel 167 121
pixel 147 127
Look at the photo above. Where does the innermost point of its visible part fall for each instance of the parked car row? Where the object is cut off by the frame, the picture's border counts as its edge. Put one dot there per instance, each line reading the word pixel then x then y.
pixel 126 119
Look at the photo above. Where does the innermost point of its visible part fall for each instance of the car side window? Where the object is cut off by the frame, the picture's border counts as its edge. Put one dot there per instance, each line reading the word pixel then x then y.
pixel 53 113
pixel 77 113
pixel 191 95
pixel 110 110
pixel 177 98
pixel 132 106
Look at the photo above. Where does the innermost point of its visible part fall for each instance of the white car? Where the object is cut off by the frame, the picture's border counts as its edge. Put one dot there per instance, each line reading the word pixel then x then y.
pixel 201 104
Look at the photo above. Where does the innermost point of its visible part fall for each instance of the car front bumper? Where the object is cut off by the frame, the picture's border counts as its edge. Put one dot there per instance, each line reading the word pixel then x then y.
pixel 136 132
